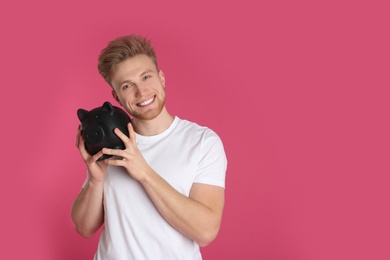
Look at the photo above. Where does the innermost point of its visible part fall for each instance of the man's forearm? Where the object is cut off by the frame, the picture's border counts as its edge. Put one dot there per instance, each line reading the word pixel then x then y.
pixel 199 220
pixel 88 210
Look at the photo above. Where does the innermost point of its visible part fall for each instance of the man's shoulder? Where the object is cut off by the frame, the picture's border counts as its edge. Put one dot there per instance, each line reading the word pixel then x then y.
pixel 190 125
pixel 195 129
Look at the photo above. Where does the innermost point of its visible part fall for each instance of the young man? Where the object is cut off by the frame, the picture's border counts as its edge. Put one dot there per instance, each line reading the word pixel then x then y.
pixel 163 196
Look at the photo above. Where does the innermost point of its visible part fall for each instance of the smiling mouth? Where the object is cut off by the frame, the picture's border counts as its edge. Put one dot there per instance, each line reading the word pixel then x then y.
pixel 146 102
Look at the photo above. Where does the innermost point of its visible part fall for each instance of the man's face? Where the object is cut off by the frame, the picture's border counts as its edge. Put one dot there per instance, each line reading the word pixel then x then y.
pixel 139 87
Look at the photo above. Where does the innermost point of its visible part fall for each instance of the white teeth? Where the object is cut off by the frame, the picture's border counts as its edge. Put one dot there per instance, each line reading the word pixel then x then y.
pixel 146 102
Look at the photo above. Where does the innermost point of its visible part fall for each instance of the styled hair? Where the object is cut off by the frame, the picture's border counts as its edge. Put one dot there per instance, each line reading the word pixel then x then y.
pixel 122 48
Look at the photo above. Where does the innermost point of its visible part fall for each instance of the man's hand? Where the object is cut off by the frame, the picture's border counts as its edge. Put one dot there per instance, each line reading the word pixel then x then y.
pixel 132 161
pixel 96 169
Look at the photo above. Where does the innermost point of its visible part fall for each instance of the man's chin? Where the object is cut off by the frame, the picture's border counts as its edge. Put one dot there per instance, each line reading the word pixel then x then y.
pixel 148 115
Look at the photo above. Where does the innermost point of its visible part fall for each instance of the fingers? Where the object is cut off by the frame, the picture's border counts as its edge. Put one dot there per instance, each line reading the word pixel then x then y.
pixel 81 146
pixel 80 143
pixel 115 162
pixel 129 141
pixel 131 133
pixel 114 152
pixel 125 139
pixel 96 156
pixel 80 139
pixel 78 136
pixel 88 159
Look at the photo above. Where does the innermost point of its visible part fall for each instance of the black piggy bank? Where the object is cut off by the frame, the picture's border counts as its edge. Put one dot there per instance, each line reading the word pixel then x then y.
pixel 98 126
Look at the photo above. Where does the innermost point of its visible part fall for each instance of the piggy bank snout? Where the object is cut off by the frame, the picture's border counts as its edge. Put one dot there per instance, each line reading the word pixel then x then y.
pixel 94 134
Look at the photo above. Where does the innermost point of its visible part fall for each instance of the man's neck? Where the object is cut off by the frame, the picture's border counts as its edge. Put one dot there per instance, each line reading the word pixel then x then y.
pixel 153 127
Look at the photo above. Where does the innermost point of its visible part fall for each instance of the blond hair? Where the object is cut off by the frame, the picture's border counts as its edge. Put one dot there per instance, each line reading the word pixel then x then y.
pixel 120 49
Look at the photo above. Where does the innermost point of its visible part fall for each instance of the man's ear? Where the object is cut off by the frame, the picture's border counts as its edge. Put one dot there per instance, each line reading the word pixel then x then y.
pixel 115 96
pixel 162 77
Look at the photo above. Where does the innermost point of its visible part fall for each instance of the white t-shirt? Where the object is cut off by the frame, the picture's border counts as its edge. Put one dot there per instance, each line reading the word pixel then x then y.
pixel 184 154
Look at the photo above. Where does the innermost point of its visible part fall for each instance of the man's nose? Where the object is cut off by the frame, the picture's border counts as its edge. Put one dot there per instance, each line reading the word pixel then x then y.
pixel 139 90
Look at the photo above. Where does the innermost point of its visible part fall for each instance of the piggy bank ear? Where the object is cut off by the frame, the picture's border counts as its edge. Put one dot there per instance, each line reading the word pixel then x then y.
pixel 107 107
pixel 82 114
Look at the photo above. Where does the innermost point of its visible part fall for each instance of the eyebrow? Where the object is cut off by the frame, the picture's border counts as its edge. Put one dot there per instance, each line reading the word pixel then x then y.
pixel 142 74
pixel 146 72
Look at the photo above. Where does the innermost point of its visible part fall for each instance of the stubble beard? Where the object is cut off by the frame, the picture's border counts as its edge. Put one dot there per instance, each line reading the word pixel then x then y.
pixel 150 114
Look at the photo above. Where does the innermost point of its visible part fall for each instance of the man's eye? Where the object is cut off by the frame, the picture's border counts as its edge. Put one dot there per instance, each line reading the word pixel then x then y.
pixel 146 77
pixel 126 86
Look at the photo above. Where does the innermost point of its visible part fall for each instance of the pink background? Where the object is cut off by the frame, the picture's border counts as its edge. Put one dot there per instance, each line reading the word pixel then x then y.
pixel 297 90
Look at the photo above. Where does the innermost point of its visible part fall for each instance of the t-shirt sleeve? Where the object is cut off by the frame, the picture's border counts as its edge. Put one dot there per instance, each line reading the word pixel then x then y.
pixel 212 161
